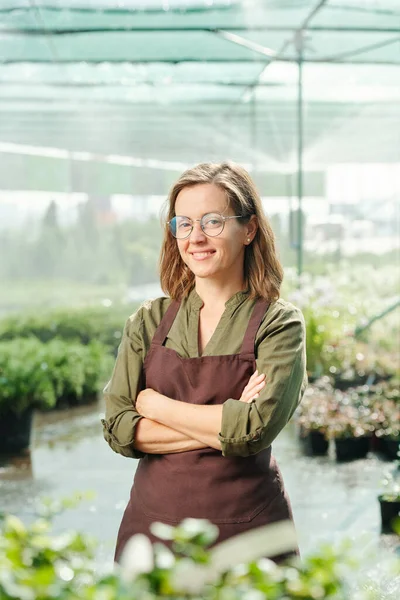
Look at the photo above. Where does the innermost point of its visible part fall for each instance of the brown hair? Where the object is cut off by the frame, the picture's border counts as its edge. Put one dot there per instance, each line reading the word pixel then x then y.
pixel 263 271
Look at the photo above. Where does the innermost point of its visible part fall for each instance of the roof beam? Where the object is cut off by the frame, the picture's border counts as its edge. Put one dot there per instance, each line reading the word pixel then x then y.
pixel 123 10
pixel 314 12
pixel 128 86
pixel 241 41
pixel 344 55
pixel 177 61
pixel 40 23
pixel 60 31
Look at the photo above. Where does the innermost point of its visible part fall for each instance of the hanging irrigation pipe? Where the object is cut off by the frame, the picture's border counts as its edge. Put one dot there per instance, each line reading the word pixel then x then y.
pixel 360 328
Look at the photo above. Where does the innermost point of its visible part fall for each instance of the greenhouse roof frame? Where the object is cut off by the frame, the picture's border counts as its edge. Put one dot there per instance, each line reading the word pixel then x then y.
pixel 279 85
pixel 222 73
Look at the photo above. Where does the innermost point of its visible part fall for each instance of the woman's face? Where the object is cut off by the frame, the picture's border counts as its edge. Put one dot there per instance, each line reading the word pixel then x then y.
pixel 219 257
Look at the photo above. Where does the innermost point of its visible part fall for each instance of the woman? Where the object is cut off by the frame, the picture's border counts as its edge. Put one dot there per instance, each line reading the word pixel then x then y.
pixel 207 377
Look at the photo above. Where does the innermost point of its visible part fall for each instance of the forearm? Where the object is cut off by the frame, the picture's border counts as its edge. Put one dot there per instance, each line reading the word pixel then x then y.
pixel 152 437
pixel 200 422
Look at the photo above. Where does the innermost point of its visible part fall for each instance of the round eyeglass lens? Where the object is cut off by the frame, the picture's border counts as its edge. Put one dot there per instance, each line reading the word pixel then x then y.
pixel 180 227
pixel 212 224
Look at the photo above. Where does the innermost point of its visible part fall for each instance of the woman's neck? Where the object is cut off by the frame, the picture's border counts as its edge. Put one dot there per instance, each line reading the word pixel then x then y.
pixel 215 294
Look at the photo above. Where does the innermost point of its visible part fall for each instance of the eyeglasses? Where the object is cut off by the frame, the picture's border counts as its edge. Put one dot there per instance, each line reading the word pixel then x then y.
pixel 212 224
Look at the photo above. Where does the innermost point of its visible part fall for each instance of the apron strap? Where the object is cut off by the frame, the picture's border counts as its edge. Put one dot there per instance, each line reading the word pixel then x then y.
pixel 166 323
pixel 259 310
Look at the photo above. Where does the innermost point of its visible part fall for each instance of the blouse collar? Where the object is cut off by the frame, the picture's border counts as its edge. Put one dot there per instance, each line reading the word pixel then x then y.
pixel 196 302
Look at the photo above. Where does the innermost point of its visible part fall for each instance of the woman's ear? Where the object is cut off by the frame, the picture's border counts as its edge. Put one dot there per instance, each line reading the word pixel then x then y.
pixel 251 228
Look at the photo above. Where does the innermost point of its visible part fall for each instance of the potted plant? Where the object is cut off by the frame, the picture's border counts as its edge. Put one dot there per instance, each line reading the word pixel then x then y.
pixel 351 446
pixel 313 418
pixel 358 365
pixel 15 430
pixel 386 409
pixel 349 424
pixel 389 501
pixel 313 441
pixel 25 383
pixel 36 375
pixel 389 446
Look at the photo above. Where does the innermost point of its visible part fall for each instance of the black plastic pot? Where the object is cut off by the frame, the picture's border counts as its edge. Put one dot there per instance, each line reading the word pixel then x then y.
pixel 389 513
pixel 345 384
pixel 375 443
pixel 314 443
pixel 71 400
pixel 389 447
pixel 351 448
pixel 86 399
pixel 368 378
pixel 15 431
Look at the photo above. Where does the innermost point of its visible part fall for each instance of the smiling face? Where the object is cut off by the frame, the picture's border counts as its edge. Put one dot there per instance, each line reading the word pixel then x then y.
pixel 218 258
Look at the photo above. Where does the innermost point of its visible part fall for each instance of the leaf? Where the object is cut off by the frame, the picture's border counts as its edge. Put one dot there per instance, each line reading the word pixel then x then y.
pixel 271 540
pixel 137 557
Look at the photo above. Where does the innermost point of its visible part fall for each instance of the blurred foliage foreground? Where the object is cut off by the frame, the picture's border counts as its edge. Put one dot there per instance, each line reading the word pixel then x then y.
pixel 36 564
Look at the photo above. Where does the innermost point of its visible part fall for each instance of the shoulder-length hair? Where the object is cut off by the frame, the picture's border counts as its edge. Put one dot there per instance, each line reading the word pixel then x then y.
pixel 263 272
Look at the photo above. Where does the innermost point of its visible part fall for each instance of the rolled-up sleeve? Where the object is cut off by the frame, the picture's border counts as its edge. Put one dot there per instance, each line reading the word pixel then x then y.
pixel 120 393
pixel 280 354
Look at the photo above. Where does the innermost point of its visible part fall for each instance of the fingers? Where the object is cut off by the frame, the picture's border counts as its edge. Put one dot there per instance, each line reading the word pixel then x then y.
pixel 254 386
pixel 255 378
pixel 254 392
pixel 255 375
pixel 255 381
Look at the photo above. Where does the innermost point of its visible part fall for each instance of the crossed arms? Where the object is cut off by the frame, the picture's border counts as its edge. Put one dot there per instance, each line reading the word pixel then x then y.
pixel 156 424
pixel 171 426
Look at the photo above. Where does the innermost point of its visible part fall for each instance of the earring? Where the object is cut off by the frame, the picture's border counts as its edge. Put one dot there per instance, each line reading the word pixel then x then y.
pixel 248 240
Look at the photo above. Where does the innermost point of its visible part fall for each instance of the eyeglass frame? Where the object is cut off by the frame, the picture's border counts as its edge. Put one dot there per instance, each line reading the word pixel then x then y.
pixel 193 221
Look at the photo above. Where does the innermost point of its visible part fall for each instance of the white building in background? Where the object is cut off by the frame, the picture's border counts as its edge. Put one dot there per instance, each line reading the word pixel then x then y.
pixel 141 208
pixel 359 183
pixel 363 204
pixel 20 207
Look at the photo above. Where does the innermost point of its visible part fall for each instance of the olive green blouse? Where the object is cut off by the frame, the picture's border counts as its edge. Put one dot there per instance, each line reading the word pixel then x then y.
pixel 246 428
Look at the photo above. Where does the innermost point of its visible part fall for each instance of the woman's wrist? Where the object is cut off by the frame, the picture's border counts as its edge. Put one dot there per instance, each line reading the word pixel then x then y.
pixel 159 407
pixel 151 404
pixel 156 406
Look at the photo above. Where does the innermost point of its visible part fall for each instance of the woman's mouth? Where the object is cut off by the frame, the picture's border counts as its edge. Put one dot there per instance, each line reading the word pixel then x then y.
pixel 202 255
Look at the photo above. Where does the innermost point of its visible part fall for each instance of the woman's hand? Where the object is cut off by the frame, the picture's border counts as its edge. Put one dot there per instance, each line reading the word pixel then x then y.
pixel 253 388
pixel 147 401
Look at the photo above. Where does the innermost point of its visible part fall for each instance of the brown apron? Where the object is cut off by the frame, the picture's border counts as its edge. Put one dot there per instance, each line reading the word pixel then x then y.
pixel 236 493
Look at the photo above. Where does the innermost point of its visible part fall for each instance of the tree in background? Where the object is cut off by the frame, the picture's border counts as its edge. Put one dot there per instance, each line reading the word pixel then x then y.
pixel 47 249
pixel 91 250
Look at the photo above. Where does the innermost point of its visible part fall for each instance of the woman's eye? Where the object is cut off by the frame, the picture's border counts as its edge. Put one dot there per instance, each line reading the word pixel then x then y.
pixel 184 225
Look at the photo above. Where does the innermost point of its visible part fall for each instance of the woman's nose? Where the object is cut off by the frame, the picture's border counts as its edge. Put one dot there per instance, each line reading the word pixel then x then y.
pixel 197 233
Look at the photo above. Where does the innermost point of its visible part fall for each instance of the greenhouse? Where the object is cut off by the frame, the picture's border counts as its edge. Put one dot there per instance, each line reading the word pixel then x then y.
pixel 103 105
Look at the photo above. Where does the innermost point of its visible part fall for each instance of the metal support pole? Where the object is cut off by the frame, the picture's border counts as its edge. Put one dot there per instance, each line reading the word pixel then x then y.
pixel 300 159
pixel 253 126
